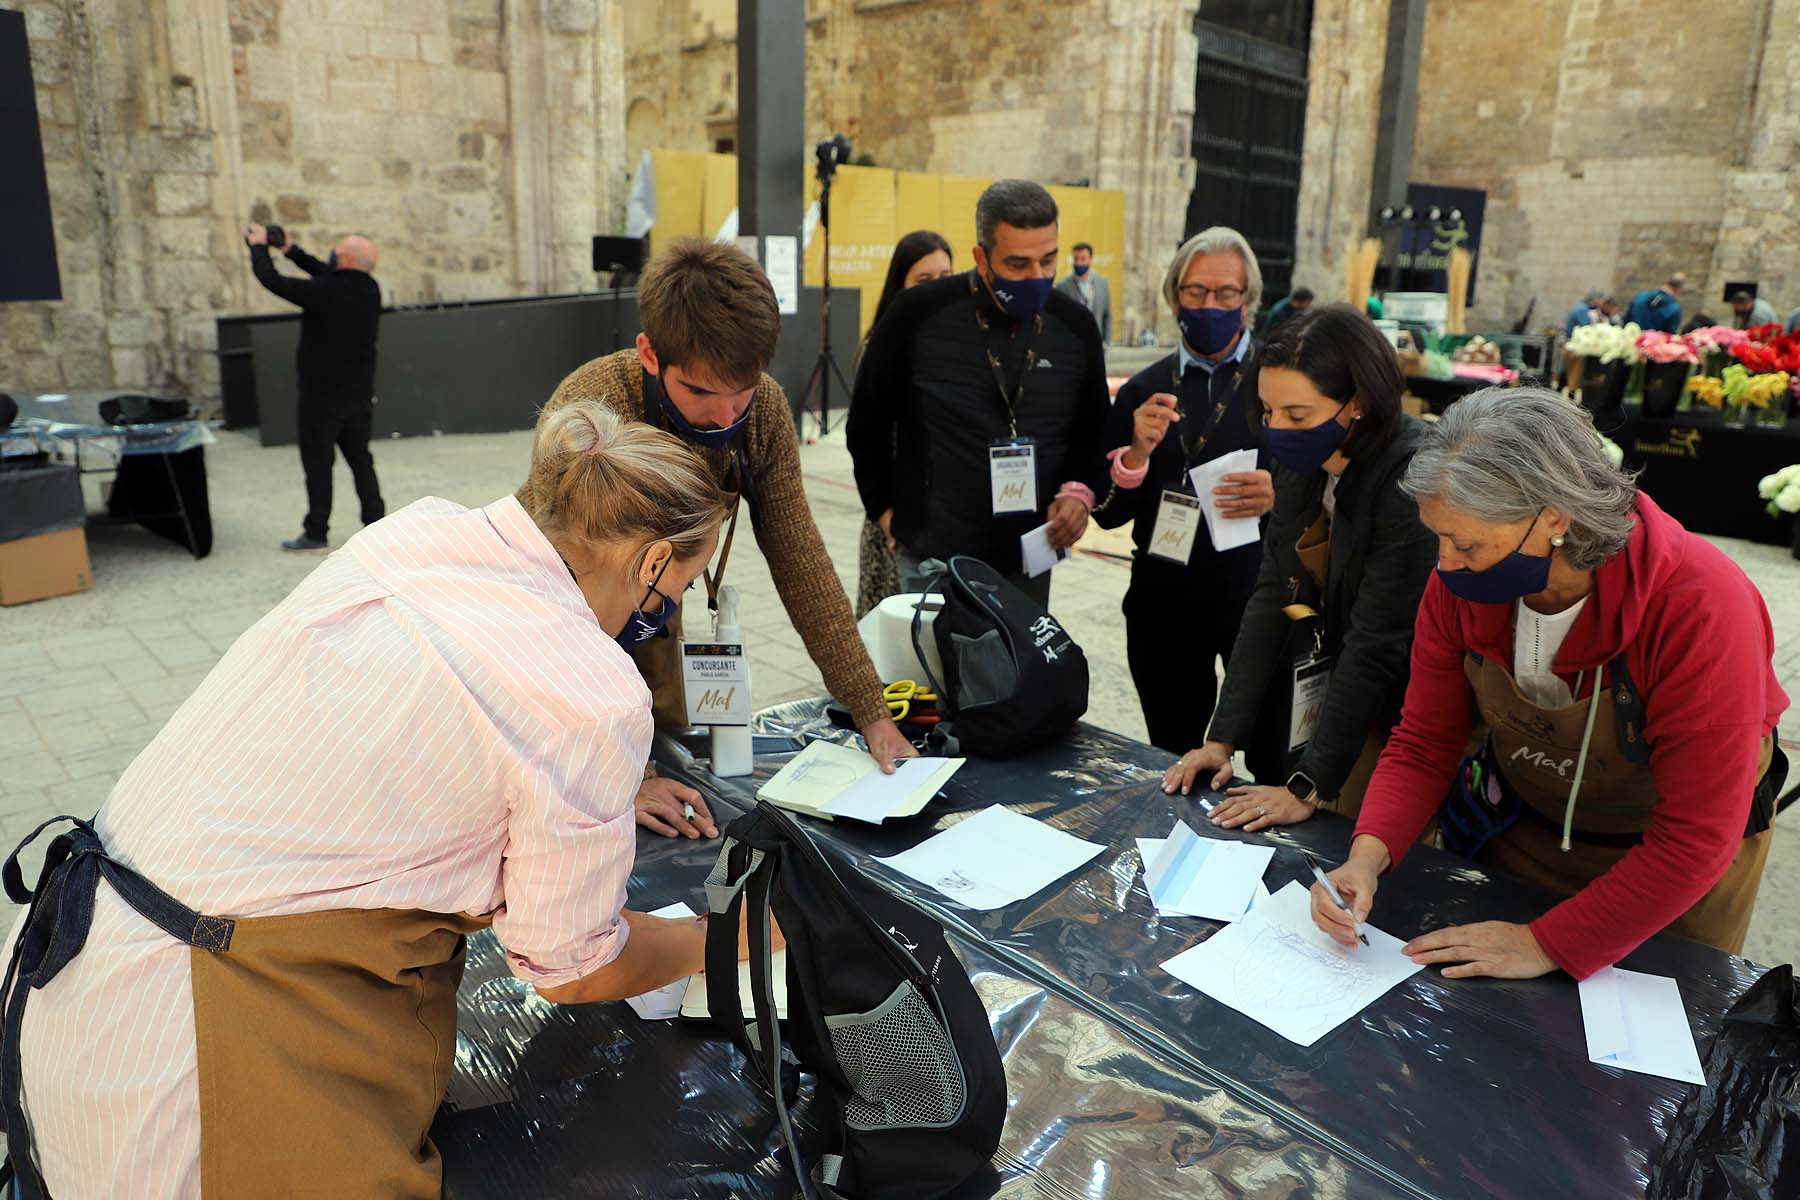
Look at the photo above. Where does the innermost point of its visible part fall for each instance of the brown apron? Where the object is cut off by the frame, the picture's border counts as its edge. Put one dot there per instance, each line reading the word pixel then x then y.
pixel 338 1030
pixel 1537 751
pixel 1314 550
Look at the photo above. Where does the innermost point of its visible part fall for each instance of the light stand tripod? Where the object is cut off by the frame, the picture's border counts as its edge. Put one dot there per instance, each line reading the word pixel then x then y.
pixel 826 367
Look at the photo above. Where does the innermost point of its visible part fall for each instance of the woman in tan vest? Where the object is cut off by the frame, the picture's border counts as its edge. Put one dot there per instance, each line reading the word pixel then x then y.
pixel 1620 665
pixel 242 973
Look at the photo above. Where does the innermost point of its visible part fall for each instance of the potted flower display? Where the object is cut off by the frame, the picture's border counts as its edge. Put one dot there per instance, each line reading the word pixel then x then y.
pixel 1767 353
pixel 1708 395
pixel 1713 344
pixel 1614 349
pixel 1782 491
pixel 1668 360
pixel 1754 396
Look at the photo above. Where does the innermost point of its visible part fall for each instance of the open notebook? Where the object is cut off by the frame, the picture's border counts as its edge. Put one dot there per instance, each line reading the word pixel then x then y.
pixel 693 1002
pixel 828 780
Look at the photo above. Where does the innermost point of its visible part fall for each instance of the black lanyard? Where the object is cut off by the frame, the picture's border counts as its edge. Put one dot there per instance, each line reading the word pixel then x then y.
pixel 1011 399
pixel 1190 450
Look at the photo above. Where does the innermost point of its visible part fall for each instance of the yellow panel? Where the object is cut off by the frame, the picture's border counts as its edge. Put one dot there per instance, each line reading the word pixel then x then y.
pixel 1075 221
pixel 720 195
pixel 862 235
pixel 1108 237
pixel 680 178
pixel 957 220
pixel 918 203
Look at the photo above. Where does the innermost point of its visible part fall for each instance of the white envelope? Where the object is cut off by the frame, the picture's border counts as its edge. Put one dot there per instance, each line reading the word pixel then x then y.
pixel 1636 1022
pixel 1227 533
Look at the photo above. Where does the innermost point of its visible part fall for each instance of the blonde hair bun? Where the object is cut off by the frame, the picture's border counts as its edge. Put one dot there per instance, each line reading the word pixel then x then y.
pixel 598 476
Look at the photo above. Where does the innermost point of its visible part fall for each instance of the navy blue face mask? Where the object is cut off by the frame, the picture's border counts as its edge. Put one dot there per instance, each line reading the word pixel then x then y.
pixel 1306 449
pixel 711 438
pixel 1021 299
pixel 1512 578
pixel 1083 268
pixel 1209 330
pixel 641 626
pixel 331 261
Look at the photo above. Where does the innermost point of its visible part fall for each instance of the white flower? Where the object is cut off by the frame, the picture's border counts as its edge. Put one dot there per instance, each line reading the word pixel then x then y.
pixel 1789 499
pixel 1616 452
pixel 1768 485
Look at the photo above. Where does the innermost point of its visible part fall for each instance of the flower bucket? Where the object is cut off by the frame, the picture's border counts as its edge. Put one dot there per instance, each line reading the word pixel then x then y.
pixel 1716 362
pixel 1773 417
pixel 1664 386
pixel 1603 386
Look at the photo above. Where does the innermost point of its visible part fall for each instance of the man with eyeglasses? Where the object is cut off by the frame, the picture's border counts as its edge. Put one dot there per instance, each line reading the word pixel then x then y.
pixel 979 403
pixel 1187 596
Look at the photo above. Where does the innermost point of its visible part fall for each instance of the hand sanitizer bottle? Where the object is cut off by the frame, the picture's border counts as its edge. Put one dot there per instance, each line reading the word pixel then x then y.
pixel 732 755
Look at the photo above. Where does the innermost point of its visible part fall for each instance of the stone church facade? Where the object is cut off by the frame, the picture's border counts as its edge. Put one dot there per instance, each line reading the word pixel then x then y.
pixel 482 142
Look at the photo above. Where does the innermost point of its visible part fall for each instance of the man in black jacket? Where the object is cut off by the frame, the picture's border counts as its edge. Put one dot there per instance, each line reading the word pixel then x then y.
pixel 340 309
pixel 979 402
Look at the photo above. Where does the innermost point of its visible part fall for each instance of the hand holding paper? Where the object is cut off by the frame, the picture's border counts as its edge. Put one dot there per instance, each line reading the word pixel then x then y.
pixel 1227 533
pixel 1039 555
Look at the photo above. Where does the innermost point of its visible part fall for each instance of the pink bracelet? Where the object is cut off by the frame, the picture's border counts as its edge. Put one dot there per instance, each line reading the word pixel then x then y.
pixel 1079 491
pixel 1123 475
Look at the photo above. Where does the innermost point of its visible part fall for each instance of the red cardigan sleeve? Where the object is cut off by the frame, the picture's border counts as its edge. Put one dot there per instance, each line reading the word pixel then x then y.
pixel 1422 752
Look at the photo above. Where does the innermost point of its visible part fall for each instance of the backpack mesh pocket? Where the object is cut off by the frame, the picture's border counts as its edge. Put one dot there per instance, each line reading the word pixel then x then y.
pixel 986 673
pixel 900 1064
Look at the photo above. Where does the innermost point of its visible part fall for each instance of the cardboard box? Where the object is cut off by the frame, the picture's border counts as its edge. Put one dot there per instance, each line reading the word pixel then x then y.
pixel 50 564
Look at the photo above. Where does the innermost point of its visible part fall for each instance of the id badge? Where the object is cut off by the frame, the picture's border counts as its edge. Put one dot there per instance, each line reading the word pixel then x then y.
pixel 1312 679
pixel 1012 474
pixel 715 677
pixel 1177 521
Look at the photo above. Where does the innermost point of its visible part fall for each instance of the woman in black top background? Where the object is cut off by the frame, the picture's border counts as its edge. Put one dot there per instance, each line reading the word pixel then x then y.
pixel 919 257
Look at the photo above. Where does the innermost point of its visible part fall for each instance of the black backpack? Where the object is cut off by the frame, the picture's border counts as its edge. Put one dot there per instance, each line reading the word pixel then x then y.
pixel 1013 677
pixel 909 1088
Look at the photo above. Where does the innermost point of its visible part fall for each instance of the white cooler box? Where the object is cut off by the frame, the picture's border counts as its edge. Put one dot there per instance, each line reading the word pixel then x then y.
pixel 887 632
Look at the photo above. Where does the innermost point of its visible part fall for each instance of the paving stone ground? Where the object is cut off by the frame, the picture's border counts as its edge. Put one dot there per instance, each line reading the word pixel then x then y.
pixel 87 680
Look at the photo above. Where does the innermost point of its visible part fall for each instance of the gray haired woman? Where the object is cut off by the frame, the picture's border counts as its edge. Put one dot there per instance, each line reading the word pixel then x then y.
pixel 1621 666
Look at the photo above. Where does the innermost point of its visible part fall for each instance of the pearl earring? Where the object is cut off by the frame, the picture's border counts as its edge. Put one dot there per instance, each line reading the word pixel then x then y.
pixel 1557 540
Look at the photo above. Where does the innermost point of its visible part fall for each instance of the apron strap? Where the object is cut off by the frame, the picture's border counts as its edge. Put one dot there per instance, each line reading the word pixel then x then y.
pixel 55 930
pixel 1587 737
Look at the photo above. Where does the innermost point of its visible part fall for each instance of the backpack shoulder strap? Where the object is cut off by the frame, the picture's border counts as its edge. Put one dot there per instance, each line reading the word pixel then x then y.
pixel 725 885
pixel 768 1026
pixel 918 625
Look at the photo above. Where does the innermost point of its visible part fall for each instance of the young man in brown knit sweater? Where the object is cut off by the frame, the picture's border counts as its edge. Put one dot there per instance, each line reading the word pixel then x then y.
pixel 710 324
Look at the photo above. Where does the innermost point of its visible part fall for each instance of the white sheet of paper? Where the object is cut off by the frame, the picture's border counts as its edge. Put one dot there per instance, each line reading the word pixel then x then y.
pixel 1227 533
pixel 664 1002
pixel 1636 1022
pixel 1277 968
pixel 1149 848
pixel 781 261
pixel 877 796
pixel 1037 552
pixel 692 1003
pixel 1205 877
pixel 994 858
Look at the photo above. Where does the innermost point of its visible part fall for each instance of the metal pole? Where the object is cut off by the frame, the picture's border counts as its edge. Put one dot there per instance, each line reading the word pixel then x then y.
pixel 771 143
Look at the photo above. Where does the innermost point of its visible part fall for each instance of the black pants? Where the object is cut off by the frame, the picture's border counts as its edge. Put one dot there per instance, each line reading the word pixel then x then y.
pixel 327 424
pixel 1178 623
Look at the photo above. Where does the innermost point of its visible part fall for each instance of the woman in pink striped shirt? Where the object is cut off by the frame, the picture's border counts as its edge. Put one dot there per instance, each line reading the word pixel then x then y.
pixel 437 730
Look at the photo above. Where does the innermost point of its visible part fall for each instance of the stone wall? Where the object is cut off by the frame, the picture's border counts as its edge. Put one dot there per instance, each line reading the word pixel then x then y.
pixel 478 142
pixel 1101 90
pixel 1618 141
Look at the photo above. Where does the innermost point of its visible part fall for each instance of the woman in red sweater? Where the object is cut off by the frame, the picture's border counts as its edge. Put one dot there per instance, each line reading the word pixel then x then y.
pixel 1621 667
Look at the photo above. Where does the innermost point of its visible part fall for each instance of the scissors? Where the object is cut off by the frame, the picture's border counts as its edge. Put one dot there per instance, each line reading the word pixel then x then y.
pixel 905 695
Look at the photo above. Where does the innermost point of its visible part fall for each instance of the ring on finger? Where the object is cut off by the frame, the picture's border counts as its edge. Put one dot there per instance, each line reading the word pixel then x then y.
pixel 1261 811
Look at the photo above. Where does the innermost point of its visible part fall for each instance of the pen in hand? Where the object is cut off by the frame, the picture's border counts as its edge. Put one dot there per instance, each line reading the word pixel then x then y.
pixel 1331 890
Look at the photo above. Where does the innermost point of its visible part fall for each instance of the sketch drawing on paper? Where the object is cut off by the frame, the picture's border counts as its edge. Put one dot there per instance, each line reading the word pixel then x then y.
pixel 955 883
pixel 1264 973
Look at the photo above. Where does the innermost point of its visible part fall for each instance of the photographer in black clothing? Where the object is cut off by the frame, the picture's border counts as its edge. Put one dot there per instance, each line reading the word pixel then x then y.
pixel 340 309
pixel 980 400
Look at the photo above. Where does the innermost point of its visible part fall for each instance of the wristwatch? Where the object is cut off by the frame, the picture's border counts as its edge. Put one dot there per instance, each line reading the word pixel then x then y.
pixel 1302 786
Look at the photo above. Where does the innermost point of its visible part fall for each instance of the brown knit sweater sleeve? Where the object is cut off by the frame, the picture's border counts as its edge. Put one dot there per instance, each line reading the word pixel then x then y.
pixel 789 538
pixel 803 573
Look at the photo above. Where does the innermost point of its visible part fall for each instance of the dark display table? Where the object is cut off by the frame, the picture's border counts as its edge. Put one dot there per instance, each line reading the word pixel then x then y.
pixel 159 467
pixel 1124 1082
pixel 1703 471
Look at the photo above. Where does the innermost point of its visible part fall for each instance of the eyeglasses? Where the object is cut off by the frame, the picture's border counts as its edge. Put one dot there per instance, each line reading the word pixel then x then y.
pixel 1194 295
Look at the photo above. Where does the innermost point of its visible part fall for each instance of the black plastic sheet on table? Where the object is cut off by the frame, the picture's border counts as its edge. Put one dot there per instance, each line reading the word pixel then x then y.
pixel 590 1101
pixel 1446 1088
